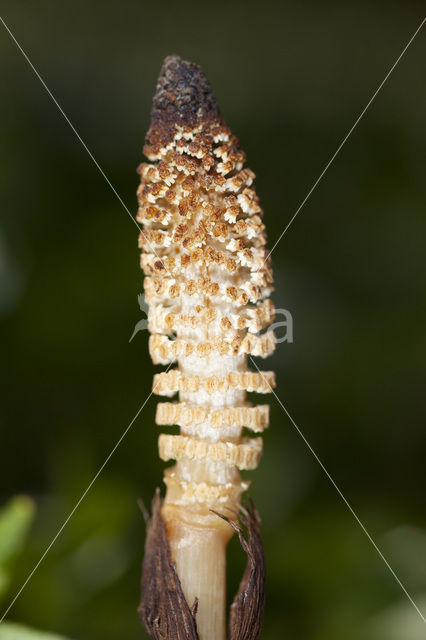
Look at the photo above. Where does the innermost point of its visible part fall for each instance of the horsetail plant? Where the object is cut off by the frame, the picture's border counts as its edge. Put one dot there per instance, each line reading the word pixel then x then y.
pixel 207 283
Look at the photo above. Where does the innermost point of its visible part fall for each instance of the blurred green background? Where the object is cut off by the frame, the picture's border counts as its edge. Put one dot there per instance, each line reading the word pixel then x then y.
pixel 291 78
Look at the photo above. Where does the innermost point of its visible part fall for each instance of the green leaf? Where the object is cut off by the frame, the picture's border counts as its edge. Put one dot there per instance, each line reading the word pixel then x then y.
pixel 15 520
pixel 13 631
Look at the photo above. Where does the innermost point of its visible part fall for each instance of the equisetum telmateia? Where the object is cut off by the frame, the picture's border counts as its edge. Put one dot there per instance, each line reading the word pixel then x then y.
pixel 207 282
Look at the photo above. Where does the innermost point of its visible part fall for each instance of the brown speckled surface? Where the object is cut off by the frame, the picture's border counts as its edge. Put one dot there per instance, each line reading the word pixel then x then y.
pixel 183 96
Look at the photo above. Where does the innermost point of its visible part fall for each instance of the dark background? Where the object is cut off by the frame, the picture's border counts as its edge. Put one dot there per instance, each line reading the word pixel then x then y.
pixel 291 79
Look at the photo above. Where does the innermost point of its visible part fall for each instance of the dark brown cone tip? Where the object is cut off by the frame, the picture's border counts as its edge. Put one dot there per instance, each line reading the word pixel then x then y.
pixel 183 96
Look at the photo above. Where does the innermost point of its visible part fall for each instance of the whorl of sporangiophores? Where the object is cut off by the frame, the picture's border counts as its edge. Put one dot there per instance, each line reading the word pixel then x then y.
pixel 207 282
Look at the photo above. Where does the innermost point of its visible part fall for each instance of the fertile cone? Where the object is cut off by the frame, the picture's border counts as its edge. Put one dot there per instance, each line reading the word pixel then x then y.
pixel 207 283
